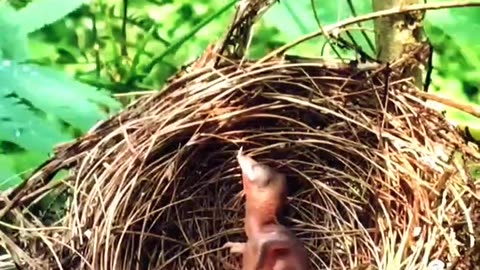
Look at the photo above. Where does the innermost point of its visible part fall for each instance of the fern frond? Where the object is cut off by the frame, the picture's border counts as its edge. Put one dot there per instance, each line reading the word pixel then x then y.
pixel 21 126
pixel 141 20
pixel 43 12
pixel 52 92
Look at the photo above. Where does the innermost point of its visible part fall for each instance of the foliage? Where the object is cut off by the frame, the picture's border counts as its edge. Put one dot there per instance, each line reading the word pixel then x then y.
pixel 107 45
pixel 39 106
pixel 456 61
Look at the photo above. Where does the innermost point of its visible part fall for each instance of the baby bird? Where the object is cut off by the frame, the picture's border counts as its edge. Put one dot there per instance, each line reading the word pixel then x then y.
pixel 270 245
pixel 265 193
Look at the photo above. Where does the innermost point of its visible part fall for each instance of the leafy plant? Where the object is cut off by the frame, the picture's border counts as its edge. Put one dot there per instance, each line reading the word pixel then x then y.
pixel 39 106
pixel 456 59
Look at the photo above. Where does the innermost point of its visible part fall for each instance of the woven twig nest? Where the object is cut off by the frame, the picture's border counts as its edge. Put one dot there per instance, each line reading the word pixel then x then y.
pixel 375 177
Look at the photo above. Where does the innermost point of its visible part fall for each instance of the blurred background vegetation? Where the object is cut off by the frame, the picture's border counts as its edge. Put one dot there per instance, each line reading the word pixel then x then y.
pixel 65 65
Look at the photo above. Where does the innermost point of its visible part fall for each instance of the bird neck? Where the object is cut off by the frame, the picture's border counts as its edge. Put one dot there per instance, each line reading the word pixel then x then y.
pixel 256 217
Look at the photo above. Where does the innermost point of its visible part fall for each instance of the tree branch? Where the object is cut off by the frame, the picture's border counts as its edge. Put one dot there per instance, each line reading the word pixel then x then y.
pixel 330 29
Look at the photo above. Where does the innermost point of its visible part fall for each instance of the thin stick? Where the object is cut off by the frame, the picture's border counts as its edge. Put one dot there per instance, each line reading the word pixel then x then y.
pixel 471 109
pixel 399 10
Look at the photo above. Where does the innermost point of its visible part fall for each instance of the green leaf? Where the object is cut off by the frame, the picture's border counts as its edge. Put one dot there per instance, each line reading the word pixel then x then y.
pixel 21 126
pixel 42 12
pixel 18 165
pixel 13 38
pixel 176 45
pixel 8 177
pixel 77 104
pixel 449 21
pixel 25 162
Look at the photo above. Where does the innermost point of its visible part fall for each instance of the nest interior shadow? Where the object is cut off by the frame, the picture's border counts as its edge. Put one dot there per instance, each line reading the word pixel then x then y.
pixel 369 168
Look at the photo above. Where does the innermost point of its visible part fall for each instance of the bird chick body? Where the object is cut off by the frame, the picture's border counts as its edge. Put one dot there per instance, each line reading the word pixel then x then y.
pixel 265 193
pixel 270 245
pixel 274 247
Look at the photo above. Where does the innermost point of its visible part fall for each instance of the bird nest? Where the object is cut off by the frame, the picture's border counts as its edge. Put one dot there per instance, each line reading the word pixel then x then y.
pixel 375 177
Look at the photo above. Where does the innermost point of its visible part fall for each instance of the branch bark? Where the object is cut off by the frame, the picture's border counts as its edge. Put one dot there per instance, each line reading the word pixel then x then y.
pixel 399 33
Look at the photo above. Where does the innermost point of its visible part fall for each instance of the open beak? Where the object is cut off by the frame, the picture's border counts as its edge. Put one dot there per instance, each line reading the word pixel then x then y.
pixel 246 165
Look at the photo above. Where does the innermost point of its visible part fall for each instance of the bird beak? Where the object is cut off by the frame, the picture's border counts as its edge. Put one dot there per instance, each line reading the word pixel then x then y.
pixel 246 165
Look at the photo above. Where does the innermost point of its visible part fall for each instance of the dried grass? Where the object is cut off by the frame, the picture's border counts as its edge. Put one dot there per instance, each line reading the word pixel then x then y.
pixel 157 187
pixel 377 180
